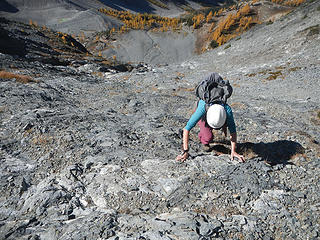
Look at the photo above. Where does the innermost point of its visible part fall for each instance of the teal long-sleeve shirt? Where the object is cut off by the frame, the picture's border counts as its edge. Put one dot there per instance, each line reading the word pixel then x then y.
pixel 201 110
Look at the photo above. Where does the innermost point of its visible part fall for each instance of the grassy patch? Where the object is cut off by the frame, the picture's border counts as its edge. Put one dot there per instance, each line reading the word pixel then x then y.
pixel 179 76
pixel 98 74
pixel 185 89
pixel 18 77
pixel 125 78
pixel 264 71
pixel 154 89
pixel 293 69
pixel 106 62
pixel 238 105
pixel 280 68
pixel 274 75
pixel 251 74
pixel 42 140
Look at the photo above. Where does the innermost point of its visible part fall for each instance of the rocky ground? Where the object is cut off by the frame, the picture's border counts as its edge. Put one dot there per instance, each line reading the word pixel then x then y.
pixel 88 151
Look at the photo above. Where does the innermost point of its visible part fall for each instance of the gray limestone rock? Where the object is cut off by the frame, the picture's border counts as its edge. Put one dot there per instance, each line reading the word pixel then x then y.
pixel 93 157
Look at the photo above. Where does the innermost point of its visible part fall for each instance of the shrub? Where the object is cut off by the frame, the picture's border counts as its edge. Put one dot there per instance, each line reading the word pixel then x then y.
pixel 228 46
pixel 313 30
pixel 189 21
pixel 214 44
pixel 269 22
pixel 245 10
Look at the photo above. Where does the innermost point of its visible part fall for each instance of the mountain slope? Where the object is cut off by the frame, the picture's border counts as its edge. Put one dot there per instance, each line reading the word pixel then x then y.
pixel 102 32
pixel 74 17
pixel 88 152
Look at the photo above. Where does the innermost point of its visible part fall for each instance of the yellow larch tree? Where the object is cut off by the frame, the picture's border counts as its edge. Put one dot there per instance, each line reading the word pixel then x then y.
pixel 209 17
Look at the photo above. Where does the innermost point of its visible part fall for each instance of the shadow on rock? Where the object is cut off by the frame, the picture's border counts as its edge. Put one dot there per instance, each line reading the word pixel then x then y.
pixel 220 149
pixel 273 153
pixel 7 7
pixel 9 44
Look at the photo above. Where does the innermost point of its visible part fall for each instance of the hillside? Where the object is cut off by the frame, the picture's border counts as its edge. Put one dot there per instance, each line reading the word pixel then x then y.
pixel 152 32
pixel 160 40
pixel 88 145
pixel 78 16
pixel 84 21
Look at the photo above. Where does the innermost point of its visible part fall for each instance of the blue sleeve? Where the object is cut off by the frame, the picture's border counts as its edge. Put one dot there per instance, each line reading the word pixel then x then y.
pixel 196 116
pixel 230 120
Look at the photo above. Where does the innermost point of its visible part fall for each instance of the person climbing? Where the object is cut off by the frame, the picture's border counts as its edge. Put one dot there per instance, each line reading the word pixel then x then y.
pixel 212 112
